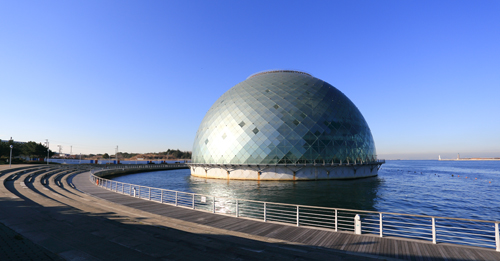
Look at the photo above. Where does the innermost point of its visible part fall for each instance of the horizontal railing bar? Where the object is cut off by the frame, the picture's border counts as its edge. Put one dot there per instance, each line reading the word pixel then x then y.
pixel 309 215
pixel 418 229
pixel 317 222
pixel 279 211
pixel 281 220
pixel 390 224
pixel 462 233
pixel 472 222
pixel 377 226
pixel 345 223
pixel 326 218
pixel 403 230
pixel 254 208
pixel 473 238
pixel 463 228
pixel 406 223
pixel 342 217
pixel 276 215
pixel 370 220
pixel 251 212
pixel 318 225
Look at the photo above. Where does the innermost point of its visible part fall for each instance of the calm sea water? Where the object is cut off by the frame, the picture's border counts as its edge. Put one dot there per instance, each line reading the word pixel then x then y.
pixel 462 189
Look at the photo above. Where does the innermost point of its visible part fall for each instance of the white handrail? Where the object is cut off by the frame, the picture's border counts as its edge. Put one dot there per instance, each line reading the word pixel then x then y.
pixel 472 232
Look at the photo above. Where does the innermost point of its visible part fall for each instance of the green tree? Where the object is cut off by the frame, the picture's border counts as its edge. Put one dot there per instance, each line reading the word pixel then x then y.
pixel 29 149
pixel 177 154
pixel 41 151
pixel 3 148
pixel 105 156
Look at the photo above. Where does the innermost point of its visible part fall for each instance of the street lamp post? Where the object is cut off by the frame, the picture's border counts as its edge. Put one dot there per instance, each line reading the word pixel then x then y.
pixel 10 159
pixel 47 141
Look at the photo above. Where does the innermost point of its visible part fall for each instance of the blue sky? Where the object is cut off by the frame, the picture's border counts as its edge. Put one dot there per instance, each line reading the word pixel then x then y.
pixel 142 74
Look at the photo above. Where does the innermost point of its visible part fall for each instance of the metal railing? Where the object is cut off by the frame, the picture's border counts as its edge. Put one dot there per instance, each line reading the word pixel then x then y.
pixel 299 163
pixel 436 229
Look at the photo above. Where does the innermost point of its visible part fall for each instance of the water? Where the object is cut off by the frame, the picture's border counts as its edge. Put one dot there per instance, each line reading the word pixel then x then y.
pixel 461 189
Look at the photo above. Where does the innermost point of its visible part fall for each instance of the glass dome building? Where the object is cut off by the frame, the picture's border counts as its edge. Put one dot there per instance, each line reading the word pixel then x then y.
pixel 284 125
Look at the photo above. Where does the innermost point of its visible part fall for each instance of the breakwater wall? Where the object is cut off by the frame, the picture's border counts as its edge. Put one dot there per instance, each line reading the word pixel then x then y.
pixel 116 170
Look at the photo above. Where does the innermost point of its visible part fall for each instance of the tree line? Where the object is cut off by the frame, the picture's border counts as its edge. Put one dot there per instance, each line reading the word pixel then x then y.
pixel 29 149
pixel 177 154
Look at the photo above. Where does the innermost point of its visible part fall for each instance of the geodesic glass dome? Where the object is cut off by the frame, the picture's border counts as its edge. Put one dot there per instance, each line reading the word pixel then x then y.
pixel 279 117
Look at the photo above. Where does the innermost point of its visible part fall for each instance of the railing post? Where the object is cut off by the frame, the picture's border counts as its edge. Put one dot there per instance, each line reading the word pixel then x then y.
pixel 381 226
pixel 213 210
pixel 176 195
pixel 237 209
pixel 357 225
pixel 497 237
pixel 149 193
pixel 161 196
pixel 122 188
pixel 298 218
pixel 193 201
pixel 139 191
pixel 265 212
pixel 433 230
pixel 336 220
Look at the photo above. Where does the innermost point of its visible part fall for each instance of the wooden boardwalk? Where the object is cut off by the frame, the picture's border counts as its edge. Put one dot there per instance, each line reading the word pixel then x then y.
pixel 368 246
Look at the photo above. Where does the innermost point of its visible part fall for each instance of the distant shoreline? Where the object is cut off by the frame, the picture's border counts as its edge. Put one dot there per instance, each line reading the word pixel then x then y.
pixel 471 159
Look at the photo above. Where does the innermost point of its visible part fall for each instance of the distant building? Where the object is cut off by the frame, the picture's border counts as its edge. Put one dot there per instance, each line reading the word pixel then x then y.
pixel 284 125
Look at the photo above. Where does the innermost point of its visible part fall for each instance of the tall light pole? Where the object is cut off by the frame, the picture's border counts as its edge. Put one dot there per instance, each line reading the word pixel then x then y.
pixel 47 141
pixel 116 154
pixel 10 159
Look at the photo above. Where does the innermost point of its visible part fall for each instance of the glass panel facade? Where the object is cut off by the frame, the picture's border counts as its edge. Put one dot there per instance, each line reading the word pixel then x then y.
pixel 283 117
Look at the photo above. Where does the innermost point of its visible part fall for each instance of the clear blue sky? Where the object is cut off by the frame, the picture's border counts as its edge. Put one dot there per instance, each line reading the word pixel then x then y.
pixel 142 74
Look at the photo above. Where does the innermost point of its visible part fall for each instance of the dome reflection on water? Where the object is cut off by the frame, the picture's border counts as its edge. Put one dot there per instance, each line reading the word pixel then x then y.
pixel 352 194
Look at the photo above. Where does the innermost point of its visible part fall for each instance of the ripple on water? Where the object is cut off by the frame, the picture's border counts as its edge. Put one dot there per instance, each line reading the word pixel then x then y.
pixel 415 187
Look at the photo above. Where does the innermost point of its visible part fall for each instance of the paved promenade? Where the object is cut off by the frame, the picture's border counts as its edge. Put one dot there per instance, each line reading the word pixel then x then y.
pixel 64 223
pixel 90 223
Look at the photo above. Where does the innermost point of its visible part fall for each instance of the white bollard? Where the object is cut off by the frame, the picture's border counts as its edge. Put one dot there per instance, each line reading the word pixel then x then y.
pixel 134 192
pixel 357 225
pixel 497 237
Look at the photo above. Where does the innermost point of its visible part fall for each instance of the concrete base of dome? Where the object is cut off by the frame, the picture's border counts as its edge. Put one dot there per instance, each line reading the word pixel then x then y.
pixel 284 172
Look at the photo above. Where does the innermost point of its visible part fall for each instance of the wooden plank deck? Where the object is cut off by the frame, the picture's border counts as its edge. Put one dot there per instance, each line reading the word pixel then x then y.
pixel 372 245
